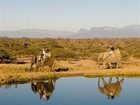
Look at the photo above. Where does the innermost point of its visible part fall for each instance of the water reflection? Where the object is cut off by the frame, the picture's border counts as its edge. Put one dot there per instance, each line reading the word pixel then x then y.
pixel 73 91
pixel 110 88
pixel 44 89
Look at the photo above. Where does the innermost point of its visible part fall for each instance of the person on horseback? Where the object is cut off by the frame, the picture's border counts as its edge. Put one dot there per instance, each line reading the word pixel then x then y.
pixel 44 58
pixel 45 53
pixel 112 49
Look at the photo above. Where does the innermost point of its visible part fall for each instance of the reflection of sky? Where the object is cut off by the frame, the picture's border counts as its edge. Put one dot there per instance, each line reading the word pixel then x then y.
pixel 73 91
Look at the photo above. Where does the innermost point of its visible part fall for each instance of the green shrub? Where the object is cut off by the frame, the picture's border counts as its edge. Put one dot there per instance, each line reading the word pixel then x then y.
pixel 69 48
pixel 137 55
pixel 61 53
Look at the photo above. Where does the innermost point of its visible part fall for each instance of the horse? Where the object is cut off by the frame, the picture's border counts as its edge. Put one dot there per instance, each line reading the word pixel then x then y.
pixel 41 62
pixel 108 60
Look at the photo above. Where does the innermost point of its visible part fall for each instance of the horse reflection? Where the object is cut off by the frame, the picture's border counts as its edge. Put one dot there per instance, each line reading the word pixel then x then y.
pixel 44 89
pixel 110 89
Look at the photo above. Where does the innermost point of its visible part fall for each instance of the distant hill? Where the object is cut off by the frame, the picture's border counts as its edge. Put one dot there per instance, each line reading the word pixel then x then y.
pixel 36 33
pixel 127 31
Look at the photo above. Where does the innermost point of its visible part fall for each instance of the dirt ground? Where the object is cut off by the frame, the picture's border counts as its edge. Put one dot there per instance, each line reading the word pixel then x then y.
pixel 89 64
pixel 86 67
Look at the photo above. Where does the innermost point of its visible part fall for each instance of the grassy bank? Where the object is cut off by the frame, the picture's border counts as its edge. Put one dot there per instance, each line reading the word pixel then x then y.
pixel 13 73
pixel 33 76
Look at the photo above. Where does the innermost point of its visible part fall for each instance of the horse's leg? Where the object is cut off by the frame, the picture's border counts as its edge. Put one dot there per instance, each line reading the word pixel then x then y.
pixel 99 82
pixel 31 67
pixel 42 67
pixel 52 65
pixel 50 68
pixel 37 66
pixel 104 63
pixel 99 65
pixel 121 81
pixel 109 64
pixel 117 65
pixel 110 80
pixel 104 82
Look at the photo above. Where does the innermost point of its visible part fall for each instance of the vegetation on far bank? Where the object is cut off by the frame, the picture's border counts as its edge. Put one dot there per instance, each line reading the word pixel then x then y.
pixel 68 48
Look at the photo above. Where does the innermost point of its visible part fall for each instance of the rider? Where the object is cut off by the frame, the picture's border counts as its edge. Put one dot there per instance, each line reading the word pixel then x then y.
pixel 112 49
pixel 45 53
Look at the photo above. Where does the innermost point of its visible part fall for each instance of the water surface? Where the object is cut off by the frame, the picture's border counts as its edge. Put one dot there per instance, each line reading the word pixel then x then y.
pixel 74 91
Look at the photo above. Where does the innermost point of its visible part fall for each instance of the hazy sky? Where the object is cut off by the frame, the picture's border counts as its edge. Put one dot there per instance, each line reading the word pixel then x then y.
pixel 67 14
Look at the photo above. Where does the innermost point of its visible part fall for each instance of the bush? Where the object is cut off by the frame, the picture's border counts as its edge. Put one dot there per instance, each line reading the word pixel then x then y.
pixel 68 48
pixel 137 55
pixel 61 53
pixel 5 57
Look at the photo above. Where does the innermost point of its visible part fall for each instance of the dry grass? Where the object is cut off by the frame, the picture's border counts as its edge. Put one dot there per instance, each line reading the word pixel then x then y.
pixel 10 73
pixel 13 68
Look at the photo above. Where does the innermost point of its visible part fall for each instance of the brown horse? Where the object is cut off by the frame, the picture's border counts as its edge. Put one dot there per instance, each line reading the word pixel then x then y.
pixel 48 61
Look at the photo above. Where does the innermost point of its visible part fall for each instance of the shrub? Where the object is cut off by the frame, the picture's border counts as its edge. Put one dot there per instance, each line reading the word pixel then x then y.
pixel 61 53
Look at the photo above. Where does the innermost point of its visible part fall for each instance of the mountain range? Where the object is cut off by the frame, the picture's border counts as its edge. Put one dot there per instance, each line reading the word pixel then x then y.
pixel 98 32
